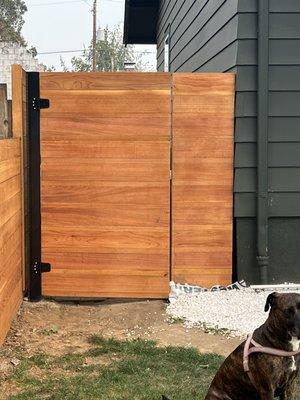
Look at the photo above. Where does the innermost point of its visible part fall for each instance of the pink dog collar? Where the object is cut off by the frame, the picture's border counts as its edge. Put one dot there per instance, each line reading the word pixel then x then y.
pixel 257 348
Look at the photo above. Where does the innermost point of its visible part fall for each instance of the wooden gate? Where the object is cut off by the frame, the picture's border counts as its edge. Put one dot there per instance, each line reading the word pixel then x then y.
pixel 136 180
pixel 105 173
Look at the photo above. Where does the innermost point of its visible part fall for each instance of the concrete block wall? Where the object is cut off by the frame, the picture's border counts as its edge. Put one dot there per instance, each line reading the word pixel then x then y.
pixel 13 53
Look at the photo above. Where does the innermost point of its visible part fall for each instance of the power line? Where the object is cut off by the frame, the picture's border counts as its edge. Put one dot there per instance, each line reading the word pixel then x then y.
pixel 81 50
pixel 57 3
pixel 61 52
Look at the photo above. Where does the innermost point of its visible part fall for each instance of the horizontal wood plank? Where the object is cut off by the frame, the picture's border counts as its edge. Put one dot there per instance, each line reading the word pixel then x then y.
pixel 9 188
pixel 10 207
pixel 118 170
pixel 104 81
pixel 60 193
pixel 131 240
pixel 133 150
pixel 140 127
pixel 87 215
pixel 95 102
pixel 116 263
pixel 9 149
pixel 204 83
pixel 203 127
pixel 9 169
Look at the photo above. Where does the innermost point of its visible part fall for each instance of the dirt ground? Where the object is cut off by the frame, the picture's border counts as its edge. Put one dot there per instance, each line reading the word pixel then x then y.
pixel 64 327
pixel 55 329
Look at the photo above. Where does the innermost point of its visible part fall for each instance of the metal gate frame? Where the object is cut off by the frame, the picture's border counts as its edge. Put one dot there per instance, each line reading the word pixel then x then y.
pixel 36 266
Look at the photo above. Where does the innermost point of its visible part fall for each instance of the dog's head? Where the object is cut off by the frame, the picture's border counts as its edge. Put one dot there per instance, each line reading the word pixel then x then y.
pixel 285 310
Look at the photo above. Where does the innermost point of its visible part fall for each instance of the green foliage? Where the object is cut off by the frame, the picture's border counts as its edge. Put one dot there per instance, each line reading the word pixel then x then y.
pixel 111 54
pixel 11 20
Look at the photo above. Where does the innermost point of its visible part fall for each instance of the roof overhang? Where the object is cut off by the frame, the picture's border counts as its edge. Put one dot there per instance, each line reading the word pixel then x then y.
pixel 140 21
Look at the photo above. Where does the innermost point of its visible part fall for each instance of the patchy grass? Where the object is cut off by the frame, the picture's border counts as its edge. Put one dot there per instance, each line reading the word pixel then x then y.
pixel 115 370
pixel 176 320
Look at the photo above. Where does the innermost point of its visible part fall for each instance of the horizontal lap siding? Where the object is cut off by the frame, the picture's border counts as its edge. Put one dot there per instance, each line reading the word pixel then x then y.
pixel 284 100
pixel 284 142
pixel 202 35
pixel 10 232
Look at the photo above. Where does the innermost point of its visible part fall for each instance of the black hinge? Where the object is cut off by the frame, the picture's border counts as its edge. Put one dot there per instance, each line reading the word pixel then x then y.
pixel 40 267
pixel 39 104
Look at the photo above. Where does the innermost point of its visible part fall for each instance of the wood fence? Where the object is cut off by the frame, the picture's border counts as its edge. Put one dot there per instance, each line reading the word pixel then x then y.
pixel 203 126
pixel 12 185
pixel 136 179
pixel 10 232
pixel 137 175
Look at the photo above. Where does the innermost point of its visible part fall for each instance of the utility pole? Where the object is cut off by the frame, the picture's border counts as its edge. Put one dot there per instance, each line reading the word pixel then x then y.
pixel 94 33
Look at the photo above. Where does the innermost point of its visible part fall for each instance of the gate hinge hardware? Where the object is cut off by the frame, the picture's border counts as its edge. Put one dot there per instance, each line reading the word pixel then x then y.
pixel 40 267
pixel 38 103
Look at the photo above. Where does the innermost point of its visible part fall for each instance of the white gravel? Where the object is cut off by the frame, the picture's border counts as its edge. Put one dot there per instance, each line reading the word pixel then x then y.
pixel 239 311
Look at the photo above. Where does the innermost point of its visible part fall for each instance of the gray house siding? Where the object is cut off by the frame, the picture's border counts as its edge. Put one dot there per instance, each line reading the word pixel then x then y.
pixel 218 35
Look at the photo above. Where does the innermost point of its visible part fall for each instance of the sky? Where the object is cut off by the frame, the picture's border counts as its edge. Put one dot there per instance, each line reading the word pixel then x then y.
pixel 66 25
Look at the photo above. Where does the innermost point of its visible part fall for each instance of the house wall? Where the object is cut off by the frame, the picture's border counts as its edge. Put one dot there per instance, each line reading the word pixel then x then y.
pixel 13 53
pixel 215 35
pixel 203 34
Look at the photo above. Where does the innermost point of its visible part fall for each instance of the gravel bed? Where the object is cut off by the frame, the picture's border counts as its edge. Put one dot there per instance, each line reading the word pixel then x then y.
pixel 237 312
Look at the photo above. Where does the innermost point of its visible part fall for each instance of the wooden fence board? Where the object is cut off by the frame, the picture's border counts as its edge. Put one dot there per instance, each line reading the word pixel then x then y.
pixel 105 81
pixel 203 127
pixel 19 129
pixel 12 211
pixel 10 232
pixel 4 113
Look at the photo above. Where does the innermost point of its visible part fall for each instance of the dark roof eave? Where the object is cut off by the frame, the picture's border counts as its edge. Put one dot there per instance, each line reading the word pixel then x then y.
pixel 140 21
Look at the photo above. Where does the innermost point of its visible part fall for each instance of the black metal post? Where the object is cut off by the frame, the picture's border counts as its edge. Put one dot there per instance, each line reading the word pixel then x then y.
pixel 262 139
pixel 36 267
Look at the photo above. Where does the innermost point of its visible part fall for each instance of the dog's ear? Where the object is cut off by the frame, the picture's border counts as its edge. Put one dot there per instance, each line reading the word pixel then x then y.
pixel 270 301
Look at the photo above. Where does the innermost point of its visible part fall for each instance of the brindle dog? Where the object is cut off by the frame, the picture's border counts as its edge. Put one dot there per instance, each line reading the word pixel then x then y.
pixel 274 376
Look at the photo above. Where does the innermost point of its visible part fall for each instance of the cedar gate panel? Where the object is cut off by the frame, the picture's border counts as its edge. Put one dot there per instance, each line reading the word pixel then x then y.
pixel 136 182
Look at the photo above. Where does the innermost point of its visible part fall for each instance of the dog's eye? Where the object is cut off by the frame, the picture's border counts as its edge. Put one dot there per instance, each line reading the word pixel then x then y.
pixel 289 312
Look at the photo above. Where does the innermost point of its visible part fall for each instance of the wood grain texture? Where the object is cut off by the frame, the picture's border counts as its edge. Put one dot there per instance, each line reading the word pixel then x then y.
pixel 19 130
pixel 105 81
pixel 60 193
pixel 106 184
pixel 106 102
pixel 4 117
pixel 10 232
pixel 118 127
pixel 106 189
pixel 203 127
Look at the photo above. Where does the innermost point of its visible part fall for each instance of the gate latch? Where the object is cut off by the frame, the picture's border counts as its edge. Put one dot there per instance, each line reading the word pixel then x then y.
pixel 38 103
pixel 40 267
